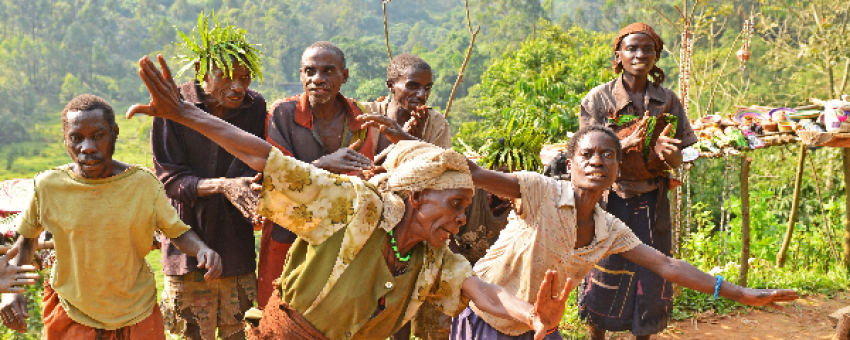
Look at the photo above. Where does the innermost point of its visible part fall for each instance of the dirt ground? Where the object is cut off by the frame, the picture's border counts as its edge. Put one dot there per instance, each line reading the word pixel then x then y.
pixel 806 318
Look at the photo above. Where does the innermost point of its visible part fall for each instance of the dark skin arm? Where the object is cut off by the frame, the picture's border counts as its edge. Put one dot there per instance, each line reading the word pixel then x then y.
pixel 504 185
pixel 166 103
pixel 548 308
pixel 190 244
pixel 687 275
pixel 13 308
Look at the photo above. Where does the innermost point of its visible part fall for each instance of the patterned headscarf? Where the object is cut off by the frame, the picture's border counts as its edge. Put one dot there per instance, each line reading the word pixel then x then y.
pixel 415 166
pixel 639 27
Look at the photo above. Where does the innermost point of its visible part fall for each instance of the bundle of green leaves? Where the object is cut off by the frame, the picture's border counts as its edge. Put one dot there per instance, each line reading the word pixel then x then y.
pixel 222 45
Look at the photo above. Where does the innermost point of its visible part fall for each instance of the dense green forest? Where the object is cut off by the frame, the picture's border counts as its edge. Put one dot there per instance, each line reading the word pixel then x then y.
pixel 532 63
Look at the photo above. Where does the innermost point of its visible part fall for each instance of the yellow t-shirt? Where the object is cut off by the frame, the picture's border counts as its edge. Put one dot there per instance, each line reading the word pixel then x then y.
pixel 102 230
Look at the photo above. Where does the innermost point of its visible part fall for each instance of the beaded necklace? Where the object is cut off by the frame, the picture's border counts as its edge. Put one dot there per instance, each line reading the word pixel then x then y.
pixel 395 249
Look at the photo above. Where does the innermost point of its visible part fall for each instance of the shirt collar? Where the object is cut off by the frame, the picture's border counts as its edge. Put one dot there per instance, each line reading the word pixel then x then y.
pixel 304 113
pixel 568 199
pixel 621 95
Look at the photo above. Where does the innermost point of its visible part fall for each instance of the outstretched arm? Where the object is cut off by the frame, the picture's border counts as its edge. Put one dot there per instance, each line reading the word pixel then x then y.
pixel 687 275
pixel 504 185
pixel 166 103
pixel 548 309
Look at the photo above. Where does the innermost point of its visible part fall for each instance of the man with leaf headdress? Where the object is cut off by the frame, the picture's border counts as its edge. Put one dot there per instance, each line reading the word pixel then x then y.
pixel 201 180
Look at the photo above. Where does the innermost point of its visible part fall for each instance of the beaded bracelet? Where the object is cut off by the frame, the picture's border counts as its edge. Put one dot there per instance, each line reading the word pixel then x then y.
pixel 717 287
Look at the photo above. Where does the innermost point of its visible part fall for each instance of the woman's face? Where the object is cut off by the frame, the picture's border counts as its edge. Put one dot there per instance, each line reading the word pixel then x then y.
pixel 637 54
pixel 594 166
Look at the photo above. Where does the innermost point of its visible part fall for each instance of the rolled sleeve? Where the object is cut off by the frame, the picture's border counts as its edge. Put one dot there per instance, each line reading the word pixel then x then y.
pixel 311 202
pixel 448 297
pixel 166 217
pixel 29 224
pixel 684 131
pixel 624 238
pixel 533 189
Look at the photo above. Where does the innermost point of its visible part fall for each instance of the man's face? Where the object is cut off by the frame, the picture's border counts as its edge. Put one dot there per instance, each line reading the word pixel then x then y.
pixel 90 141
pixel 412 89
pixel 441 213
pixel 228 92
pixel 594 166
pixel 637 54
pixel 322 75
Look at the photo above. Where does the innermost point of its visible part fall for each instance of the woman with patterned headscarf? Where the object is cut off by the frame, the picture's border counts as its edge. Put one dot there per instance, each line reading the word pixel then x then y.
pixel 619 295
pixel 368 254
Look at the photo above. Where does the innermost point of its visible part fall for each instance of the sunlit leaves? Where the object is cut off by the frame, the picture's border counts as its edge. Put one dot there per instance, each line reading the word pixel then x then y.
pixel 220 46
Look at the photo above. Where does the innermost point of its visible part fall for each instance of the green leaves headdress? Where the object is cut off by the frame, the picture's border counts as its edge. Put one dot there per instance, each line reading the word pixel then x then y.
pixel 221 45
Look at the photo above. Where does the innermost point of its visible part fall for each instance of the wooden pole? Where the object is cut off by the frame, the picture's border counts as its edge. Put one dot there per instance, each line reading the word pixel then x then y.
pixel 465 60
pixel 846 154
pixel 795 207
pixel 745 219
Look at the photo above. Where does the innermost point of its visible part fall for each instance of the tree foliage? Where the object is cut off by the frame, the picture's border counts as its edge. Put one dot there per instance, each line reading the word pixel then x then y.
pixel 541 84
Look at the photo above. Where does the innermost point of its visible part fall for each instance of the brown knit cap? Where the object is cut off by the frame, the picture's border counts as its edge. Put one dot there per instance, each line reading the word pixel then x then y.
pixel 639 27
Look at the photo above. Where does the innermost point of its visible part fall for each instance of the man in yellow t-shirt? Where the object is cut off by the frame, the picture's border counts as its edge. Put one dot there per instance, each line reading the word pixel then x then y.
pixel 102 214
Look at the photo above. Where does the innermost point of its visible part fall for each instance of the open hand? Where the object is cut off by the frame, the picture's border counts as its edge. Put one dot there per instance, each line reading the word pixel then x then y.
pixel 344 160
pixel 767 297
pixel 209 259
pixel 666 146
pixel 13 310
pixel 12 277
pixel 633 139
pixel 388 126
pixel 239 192
pixel 550 304
pixel 165 95
pixel 416 123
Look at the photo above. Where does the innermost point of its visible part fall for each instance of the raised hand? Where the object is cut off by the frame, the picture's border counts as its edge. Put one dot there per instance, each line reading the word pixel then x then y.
pixel 666 146
pixel 416 123
pixel 767 297
pixel 12 277
pixel 550 304
pixel 388 126
pixel 165 95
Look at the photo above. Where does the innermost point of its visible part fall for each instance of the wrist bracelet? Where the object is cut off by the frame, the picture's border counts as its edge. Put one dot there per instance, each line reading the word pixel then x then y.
pixel 553 330
pixel 717 287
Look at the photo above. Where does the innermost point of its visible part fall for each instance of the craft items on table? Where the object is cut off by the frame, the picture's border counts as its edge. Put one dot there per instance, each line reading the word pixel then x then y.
pixel 755 127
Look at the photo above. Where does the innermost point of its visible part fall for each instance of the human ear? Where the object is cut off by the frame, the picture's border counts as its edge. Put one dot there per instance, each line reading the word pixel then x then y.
pixel 390 84
pixel 344 76
pixel 415 198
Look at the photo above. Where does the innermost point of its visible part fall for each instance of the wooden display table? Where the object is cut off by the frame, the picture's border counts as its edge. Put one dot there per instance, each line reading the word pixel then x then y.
pixel 833 139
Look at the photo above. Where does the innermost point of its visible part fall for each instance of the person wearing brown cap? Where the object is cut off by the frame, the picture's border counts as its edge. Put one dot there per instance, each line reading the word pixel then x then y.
pixel 620 295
